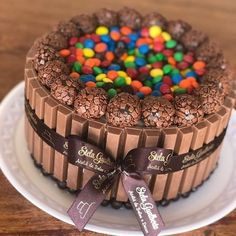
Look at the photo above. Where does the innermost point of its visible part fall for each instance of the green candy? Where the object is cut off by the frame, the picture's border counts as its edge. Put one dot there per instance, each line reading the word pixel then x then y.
pixel 100 84
pixel 119 81
pixel 180 91
pixel 131 52
pixel 77 67
pixel 152 59
pixel 171 43
pixel 160 57
pixel 130 64
pixel 178 56
pixel 156 80
pixel 97 70
pixel 79 45
pixel 167 68
pixel 147 83
pixel 111 93
pixel 174 72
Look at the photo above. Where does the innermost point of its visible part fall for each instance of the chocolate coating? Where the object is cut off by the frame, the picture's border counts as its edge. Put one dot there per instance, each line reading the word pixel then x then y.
pixel 129 17
pixel 85 23
pixel 154 18
pixel 211 97
pixel 68 29
pixel 64 89
pixel 218 61
pixel 177 28
pixel 157 112
pixel 106 17
pixel 207 50
pixel 55 40
pixel 91 102
pixel 51 71
pixel 45 54
pixel 192 39
pixel 124 110
pixel 188 110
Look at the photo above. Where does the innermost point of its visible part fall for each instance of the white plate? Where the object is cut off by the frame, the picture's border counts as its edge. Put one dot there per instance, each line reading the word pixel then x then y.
pixel 215 199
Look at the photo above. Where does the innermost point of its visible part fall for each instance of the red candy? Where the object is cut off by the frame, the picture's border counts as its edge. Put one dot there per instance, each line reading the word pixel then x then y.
pixel 157 64
pixel 165 88
pixel 168 52
pixel 131 72
pixel 73 41
pixel 105 63
pixel 71 59
pixel 182 65
pixel 87 70
pixel 158 47
pixel 167 80
pixel 144 32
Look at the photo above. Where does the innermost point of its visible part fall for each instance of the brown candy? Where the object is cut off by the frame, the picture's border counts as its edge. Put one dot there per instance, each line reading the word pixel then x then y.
pixel 129 17
pixel 51 71
pixel 154 18
pixel 123 110
pixel 188 110
pixel 86 23
pixel 45 54
pixel 207 50
pixel 64 89
pixel 91 102
pixel 192 39
pixel 177 28
pixel 68 29
pixel 211 97
pixel 106 17
pixel 157 112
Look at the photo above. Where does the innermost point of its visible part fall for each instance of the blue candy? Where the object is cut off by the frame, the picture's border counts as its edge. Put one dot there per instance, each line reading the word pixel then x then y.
pixel 156 93
pixel 105 38
pixel 133 36
pixel 157 86
pixel 131 45
pixel 86 78
pixel 88 43
pixel 176 78
pixel 114 28
pixel 191 74
pixel 144 48
pixel 139 61
pixel 140 94
pixel 114 67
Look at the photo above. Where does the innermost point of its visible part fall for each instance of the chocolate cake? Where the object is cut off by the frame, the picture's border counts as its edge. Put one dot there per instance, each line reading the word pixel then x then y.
pixel 120 81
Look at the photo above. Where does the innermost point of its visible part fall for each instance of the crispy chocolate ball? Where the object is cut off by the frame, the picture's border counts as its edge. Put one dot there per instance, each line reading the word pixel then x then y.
pixel 129 17
pixel 192 39
pixel 43 55
pixel 64 89
pixel 218 62
pixel 177 28
pixel 123 110
pixel 154 18
pixel 207 50
pixel 51 71
pixel 211 97
pixel 86 23
pixel 91 102
pixel 157 112
pixel 188 110
pixel 106 17
pixel 68 29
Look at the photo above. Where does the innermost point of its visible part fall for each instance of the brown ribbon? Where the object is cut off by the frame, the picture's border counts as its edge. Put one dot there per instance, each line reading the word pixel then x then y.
pixel 138 162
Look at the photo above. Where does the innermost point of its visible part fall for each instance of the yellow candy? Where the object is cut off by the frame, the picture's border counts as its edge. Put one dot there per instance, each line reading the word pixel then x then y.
pixel 100 77
pixel 173 88
pixel 156 72
pixel 107 80
pixel 166 36
pixel 130 58
pixel 184 72
pixel 128 80
pixel 88 52
pixel 155 31
pixel 101 30
pixel 121 73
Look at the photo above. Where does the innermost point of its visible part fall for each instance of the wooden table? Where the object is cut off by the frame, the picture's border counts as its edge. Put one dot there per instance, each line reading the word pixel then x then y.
pixel 22 21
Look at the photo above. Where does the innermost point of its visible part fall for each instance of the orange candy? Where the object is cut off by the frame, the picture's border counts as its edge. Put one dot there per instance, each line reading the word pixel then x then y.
pixel 145 90
pixel 74 75
pixel 195 84
pixel 64 52
pixel 100 47
pixel 112 74
pixel 81 59
pixel 125 30
pixel 185 83
pixel 109 56
pixel 90 62
pixel 199 65
pixel 79 52
pixel 115 35
pixel 171 61
pixel 97 61
pixel 90 84
pixel 136 85
pixel 124 56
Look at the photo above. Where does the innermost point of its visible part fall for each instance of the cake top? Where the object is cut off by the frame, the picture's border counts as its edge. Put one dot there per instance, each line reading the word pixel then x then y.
pixel 132 70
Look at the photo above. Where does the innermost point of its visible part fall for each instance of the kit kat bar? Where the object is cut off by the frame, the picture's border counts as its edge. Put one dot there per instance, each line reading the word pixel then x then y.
pixel 132 140
pixel 40 97
pixel 50 119
pixel 63 127
pixel 96 136
pixel 79 127
pixel 212 126
pixel 199 133
pixel 169 136
pixel 182 145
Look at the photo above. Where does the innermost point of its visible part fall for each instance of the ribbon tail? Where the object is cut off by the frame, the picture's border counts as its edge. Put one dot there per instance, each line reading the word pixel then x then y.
pixel 89 199
pixel 143 204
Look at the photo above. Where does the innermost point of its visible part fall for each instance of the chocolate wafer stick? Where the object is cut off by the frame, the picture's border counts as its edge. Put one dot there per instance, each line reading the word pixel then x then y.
pixel 182 145
pixel 50 119
pixel 30 55
pixel 199 133
pixel 79 127
pixel 63 127
pixel 169 136
pixel 29 74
